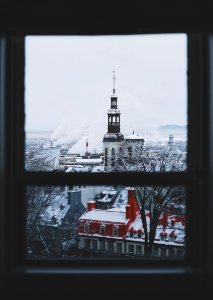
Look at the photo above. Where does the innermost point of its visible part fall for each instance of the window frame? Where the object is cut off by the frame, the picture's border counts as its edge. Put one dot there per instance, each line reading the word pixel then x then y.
pixel 12 111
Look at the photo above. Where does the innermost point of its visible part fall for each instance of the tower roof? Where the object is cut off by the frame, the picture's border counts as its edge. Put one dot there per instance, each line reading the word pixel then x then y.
pixel 133 136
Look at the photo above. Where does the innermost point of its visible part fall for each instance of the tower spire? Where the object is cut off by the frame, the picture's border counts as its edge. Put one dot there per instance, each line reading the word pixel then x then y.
pixel 114 78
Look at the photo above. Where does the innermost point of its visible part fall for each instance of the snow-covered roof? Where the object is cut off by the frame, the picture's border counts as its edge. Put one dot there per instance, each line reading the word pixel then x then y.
pixel 109 215
pixel 57 209
pixel 88 160
pixel 121 200
pixel 77 168
pixel 177 231
pixel 133 136
pixel 113 111
pixel 97 169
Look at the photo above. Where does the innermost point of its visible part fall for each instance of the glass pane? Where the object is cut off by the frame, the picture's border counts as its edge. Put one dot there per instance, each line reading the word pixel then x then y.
pixel 81 222
pixel 106 103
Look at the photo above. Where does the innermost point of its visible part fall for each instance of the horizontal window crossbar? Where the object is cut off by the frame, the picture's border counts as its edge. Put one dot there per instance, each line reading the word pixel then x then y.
pixel 125 178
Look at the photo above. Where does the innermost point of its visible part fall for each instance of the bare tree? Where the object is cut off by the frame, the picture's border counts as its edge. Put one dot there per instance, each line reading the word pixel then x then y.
pixel 155 198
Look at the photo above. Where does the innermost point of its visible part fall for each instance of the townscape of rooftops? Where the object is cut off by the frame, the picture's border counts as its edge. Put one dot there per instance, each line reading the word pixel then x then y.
pixel 120 153
pixel 78 221
pixel 108 225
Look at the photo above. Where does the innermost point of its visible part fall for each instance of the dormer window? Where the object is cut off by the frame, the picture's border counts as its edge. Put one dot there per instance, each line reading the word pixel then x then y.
pixel 86 228
pixel 131 234
pixel 139 235
pixel 163 235
pixel 115 231
pixel 172 236
pixel 102 229
pixel 172 239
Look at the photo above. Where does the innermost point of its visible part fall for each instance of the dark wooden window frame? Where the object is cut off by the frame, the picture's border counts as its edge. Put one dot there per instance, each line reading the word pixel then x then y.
pixel 194 179
pixel 197 179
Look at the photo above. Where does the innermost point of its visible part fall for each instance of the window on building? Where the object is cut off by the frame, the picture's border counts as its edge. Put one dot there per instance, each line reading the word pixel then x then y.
pixel 138 249
pixel 131 249
pixel 102 230
pixel 163 251
pixel 131 234
pixel 118 247
pixel 87 243
pixel 155 250
pixel 86 228
pixel 115 231
pixel 172 239
pixel 94 244
pixel 113 157
pixel 102 245
pixel 53 235
pixel 172 252
pixel 139 235
pixel 130 151
pixel 111 247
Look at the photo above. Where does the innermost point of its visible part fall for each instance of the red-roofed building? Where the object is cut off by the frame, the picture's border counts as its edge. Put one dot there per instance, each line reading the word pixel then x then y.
pixel 119 231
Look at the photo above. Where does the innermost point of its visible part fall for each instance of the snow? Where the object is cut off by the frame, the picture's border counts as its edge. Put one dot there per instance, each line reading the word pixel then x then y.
pixel 89 160
pixel 134 136
pixel 136 224
pixel 78 168
pixel 121 200
pixel 97 169
pixel 104 215
pixel 113 111
pixel 178 229
pixel 57 209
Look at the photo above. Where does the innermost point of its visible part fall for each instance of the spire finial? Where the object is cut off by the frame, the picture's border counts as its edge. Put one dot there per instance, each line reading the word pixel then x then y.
pixel 114 78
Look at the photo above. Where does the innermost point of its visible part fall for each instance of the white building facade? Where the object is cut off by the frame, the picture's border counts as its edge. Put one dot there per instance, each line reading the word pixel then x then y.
pixel 118 149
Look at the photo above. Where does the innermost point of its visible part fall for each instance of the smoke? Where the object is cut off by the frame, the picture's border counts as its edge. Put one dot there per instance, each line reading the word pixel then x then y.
pixel 84 124
pixel 74 133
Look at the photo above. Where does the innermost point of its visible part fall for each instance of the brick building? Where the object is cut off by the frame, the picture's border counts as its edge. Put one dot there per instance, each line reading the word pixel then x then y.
pixel 119 231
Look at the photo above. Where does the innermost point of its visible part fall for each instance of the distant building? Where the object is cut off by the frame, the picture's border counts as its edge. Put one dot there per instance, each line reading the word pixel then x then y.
pixel 52 153
pixel 117 149
pixel 119 230
pixel 55 234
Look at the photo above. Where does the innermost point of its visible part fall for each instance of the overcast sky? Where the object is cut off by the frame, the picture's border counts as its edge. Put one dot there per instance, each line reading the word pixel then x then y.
pixel 69 82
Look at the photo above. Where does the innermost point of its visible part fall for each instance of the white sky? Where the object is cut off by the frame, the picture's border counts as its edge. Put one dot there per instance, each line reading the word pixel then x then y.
pixel 69 82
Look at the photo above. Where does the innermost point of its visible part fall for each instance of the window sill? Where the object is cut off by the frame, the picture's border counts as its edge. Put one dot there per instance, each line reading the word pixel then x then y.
pixel 106 271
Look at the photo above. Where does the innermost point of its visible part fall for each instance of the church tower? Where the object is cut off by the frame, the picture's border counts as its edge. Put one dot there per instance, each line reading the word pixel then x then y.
pixel 113 139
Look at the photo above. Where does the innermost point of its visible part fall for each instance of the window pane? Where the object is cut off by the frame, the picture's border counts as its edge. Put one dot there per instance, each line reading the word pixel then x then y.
pixel 105 221
pixel 106 103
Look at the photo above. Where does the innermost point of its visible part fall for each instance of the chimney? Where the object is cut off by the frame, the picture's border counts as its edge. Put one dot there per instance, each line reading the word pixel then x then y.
pixel 164 220
pixel 128 211
pixel 91 204
pixel 132 202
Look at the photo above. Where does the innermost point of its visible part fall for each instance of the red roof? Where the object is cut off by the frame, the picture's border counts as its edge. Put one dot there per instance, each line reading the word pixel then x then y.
pixel 163 233
pixel 172 234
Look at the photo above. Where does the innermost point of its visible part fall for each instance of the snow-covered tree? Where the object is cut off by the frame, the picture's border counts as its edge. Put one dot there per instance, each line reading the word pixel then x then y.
pixel 34 161
pixel 157 160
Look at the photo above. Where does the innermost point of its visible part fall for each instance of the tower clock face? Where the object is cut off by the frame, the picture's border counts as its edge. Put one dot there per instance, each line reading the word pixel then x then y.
pixel 114 103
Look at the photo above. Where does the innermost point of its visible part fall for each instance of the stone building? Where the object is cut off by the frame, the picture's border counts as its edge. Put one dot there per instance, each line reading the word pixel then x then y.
pixel 118 149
